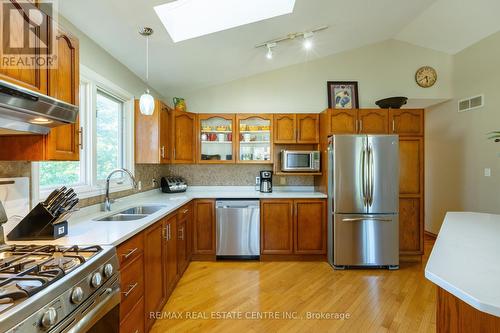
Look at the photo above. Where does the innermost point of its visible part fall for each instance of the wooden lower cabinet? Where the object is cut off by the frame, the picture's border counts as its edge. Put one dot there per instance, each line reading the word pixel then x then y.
pixel 310 226
pixel 276 226
pixel 134 321
pixel 170 248
pixel 182 246
pixel 204 227
pixel 293 226
pixel 155 292
pixel 410 226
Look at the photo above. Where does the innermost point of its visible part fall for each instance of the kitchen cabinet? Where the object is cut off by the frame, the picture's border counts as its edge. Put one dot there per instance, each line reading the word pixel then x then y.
pixel 64 142
pixel 407 122
pixel 184 219
pixel 152 135
pixel 373 121
pixel 296 128
pixel 35 78
pixel 204 227
pixel 155 292
pixel 411 195
pixel 131 259
pixel 183 137
pixel 276 226
pixel 363 121
pixel 216 138
pixel 254 138
pixel 342 121
pixel 310 226
pixel 170 248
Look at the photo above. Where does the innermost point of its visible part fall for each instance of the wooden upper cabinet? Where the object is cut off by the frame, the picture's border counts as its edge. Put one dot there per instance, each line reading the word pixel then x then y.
pixel 276 226
pixel 342 121
pixel 307 128
pixel 254 138
pixel 285 128
pixel 407 122
pixel 215 139
pixel 36 78
pixel 411 166
pixel 373 121
pixel 204 227
pixel 183 137
pixel 152 135
pixel 310 226
pixel 63 142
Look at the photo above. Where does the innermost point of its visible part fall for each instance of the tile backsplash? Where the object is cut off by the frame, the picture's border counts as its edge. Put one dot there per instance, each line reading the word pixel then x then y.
pixel 194 174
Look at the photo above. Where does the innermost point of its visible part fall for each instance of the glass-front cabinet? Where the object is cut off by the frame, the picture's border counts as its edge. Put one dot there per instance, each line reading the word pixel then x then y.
pixel 254 139
pixel 216 138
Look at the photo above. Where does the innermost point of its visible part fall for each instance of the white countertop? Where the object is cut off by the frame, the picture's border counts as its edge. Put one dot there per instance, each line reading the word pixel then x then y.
pixel 83 230
pixel 465 260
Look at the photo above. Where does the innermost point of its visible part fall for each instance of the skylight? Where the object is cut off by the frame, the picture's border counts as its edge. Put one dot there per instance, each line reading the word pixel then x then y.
pixel 186 19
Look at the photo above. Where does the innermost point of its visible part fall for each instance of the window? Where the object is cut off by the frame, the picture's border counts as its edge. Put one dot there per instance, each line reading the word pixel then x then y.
pixel 106 116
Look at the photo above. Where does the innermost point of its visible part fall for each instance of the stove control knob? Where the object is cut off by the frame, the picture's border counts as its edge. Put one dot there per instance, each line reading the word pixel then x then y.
pixel 96 280
pixel 108 270
pixel 77 295
pixel 49 318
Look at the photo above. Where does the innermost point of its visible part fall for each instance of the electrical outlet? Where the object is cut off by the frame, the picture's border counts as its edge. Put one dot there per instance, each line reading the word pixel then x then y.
pixel 257 180
pixel 487 172
pixel 139 185
pixel 154 183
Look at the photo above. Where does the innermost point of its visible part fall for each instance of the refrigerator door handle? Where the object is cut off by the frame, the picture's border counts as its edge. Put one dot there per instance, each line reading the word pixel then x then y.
pixel 370 174
pixel 360 219
pixel 363 176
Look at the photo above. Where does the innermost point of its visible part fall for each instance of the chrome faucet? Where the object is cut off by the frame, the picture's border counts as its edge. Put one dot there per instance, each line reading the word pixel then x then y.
pixel 107 202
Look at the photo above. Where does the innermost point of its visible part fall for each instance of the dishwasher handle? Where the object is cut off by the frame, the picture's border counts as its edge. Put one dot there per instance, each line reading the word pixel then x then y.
pixel 236 207
pixel 235 204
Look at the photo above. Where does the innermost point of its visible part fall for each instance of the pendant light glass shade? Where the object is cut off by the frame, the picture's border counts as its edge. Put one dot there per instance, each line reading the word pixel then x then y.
pixel 147 104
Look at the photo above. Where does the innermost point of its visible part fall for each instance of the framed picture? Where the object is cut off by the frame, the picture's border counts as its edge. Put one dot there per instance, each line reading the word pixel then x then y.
pixel 343 94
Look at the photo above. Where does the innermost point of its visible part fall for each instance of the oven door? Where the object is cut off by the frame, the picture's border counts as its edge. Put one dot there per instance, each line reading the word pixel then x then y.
pixel 296 161
pixel 99 313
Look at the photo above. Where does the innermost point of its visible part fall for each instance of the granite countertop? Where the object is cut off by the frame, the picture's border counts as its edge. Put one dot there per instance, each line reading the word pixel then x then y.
pixel 84 230
pixel 465 260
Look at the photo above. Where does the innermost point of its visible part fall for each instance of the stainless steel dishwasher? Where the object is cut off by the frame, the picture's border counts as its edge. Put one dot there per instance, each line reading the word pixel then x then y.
pixel 238 229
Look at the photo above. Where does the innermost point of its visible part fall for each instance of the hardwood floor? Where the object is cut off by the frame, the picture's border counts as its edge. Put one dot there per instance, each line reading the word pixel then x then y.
pixel 375 300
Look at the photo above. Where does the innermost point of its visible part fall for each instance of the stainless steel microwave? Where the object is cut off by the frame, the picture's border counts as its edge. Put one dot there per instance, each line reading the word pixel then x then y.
pixel 297 160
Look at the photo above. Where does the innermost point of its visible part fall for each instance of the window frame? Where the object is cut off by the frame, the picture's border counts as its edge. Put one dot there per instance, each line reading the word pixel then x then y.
pixel 91 187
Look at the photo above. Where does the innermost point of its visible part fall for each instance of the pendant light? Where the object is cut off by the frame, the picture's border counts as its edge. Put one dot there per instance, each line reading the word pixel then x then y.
pixel 147 102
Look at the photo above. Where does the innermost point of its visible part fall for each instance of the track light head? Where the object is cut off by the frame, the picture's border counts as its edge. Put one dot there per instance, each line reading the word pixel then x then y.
pixel 308 43
pixel 269 54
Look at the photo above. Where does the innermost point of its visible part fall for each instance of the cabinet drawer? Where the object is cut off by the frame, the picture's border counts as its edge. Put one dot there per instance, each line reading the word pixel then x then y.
pixel 184 211
pixel 131 285
pixel 134 322
pixel 130 249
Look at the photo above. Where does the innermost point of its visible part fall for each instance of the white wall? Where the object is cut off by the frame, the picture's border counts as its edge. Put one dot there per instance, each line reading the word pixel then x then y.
pixel 384 69
pixel 97 59
pixel 457 149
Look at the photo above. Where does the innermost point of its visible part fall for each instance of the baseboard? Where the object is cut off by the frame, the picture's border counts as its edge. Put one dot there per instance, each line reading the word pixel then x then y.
pixel 203 257
pixel 410 258
pixel 293 257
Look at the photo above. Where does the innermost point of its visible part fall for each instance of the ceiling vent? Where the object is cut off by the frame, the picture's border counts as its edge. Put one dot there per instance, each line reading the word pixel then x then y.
pixel 471 103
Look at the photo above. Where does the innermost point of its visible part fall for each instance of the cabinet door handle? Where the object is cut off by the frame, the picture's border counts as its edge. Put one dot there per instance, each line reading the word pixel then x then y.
pixel 130 288
pixel 164 233
pixel 127 255
pixel 356 125
pixel 393 126
pixel 185 211
pixel 162 151
pixel 174 153
pixel 80 138
pixel 360 126
pixel 181 233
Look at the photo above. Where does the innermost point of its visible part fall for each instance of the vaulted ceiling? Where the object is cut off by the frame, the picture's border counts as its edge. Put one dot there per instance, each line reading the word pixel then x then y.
pixel 444 25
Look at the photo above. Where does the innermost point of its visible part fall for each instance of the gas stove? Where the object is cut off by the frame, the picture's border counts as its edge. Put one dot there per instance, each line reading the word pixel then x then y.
pixel 53 288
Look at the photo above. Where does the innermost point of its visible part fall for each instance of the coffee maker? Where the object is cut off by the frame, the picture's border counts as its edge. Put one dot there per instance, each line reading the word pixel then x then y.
pixel 266 181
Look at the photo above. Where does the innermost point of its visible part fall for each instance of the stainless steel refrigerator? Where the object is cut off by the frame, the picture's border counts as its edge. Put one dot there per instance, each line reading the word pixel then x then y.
pixel 363 177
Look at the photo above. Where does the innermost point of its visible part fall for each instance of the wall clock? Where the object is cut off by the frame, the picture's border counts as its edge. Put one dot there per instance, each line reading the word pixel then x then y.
pixel 426 76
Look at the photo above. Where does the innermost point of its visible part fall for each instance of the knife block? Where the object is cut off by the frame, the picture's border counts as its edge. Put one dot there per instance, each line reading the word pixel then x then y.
pixel 38 225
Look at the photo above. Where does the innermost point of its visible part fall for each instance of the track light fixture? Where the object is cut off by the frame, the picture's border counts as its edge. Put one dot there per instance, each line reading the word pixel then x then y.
pixel 307 40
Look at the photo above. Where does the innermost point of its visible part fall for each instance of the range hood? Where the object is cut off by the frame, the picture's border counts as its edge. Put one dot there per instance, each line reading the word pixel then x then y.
pixel 23 111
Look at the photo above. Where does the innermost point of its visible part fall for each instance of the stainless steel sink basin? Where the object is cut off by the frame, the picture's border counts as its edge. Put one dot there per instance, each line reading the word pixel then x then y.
pixel 147 210
pixel 132 214
pixel 123 217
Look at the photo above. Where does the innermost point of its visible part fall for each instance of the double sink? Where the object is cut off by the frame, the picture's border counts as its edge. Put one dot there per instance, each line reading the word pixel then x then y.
pixel 132 214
